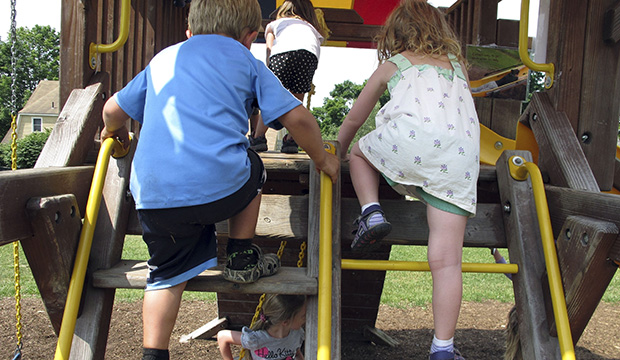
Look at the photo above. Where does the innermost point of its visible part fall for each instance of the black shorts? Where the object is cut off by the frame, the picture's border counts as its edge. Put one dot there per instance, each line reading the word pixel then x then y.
pixel 295 69
pixel 182 241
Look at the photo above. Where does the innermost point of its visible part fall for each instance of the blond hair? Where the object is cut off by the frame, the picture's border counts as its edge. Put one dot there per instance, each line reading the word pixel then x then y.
pixel 416 26
pixel 302 9
pixel 278 308
pixel 226 17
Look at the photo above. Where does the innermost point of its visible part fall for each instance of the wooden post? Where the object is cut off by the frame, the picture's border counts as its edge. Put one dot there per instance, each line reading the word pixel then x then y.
pixel 313 267
pixel 525 248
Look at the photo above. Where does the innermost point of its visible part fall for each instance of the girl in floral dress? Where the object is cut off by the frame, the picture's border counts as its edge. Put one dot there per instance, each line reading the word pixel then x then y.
pixel 426 144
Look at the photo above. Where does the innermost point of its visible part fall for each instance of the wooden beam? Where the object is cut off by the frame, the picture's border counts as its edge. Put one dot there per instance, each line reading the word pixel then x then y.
pixel 560 155
pixel 525 249
pixel 131 274
pixel 611 25
pixel 17 187
pixel 583 248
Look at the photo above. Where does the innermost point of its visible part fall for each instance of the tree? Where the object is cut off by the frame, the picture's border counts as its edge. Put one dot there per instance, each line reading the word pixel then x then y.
pixel 335 109
pixel 37 58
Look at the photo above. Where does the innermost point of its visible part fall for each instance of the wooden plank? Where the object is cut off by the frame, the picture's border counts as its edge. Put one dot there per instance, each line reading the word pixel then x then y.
pixel 131 274
pixel 17 187
pixel 600 91
pixel 583 247
pixel 611 25
pixel 484 108
pixel 504 117
pixel 560 156
pixel 508 33
pixel 525 249
pixel 617 173
pixel 565 49
pixel 89 342
pixel 73 136
pixel 484 22
pixel 206 331
pixel 311 346
pixel 56 225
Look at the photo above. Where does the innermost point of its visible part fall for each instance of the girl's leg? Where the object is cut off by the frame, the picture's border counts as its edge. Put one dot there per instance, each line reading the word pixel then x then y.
pixel 159 313
pixel 364 176
pixel 445 253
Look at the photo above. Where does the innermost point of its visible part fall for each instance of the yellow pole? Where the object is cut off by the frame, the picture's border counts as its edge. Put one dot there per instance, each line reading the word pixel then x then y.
pixel 67 327
pixel 549 69
pixel 385 265
pixel 517 166
pixel 325 265
pixel 123 33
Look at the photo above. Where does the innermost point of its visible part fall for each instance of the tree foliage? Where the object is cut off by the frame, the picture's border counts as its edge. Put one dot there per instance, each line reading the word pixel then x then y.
pixel 37 58
pixel 335 109
pixel 28 150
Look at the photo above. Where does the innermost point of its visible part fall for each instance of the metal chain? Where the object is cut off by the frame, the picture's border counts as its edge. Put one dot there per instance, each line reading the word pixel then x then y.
pixel 18 296
pixel 302 254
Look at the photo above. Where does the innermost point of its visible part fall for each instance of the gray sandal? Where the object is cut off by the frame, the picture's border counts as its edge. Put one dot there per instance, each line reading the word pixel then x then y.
pixel 267 265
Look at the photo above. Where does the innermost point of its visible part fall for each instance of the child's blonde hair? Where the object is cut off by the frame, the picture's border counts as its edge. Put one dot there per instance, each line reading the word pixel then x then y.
pixel 227 17
pixel 302 9
pixel 278 308
pixel 421 28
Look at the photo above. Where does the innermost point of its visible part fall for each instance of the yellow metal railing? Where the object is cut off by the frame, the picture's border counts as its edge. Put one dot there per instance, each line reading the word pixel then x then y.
pixel 123 33
pixel 67 327
pixel 519 170
pixel 325 265
pixel 549 69
pixel 384 265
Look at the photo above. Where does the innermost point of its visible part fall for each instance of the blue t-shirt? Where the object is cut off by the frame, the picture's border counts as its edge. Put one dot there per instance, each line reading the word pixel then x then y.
pixel 194 100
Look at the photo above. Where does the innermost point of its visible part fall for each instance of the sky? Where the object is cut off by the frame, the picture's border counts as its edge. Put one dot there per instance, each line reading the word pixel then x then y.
pixel 335 65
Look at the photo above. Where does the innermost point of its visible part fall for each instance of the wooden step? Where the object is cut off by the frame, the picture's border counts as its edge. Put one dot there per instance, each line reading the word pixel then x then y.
pixel 131 274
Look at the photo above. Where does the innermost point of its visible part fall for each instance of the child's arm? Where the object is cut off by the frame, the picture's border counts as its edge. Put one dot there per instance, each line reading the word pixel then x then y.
pixel 299 355
pixel 114 119
pixel 224 339
pixel 305 130
pixel 269 38
pixel 364 104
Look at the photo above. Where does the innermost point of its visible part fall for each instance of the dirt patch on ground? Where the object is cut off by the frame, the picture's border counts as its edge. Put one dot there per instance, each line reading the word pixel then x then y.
pixel 480 333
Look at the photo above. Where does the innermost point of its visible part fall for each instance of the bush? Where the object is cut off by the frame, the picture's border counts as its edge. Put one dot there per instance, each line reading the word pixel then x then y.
pixel 28 150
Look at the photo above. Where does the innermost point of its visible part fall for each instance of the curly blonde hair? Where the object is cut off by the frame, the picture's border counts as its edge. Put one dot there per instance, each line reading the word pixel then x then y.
pixel 416 26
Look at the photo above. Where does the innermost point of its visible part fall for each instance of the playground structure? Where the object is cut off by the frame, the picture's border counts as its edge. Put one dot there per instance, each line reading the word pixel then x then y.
pixel 569 131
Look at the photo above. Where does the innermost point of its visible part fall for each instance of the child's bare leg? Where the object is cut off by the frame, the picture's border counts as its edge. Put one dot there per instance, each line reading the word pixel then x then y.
pixel 159 313
pixel 445 252
pixel 243 225
pixel 364 176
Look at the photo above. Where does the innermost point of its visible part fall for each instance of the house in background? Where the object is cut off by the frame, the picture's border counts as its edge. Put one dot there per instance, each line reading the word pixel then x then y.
pixel 40 112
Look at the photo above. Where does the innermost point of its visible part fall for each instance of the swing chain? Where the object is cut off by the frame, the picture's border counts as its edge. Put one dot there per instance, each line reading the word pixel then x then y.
pixel 302 254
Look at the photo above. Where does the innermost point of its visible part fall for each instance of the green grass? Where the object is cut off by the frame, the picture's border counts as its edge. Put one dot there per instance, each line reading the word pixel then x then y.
pixel 401 289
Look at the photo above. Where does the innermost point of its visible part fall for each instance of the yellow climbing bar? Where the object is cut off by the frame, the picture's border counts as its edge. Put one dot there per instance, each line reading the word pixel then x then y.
pixel 67 327
pixel 325 265
pixel 519 169
pixel 123 33
pixel 385 265
pixel 549 69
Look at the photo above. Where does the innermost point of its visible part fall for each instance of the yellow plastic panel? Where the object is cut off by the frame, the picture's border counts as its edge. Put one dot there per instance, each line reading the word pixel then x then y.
pixel 492 145
pixel 526 141
pixel 336 4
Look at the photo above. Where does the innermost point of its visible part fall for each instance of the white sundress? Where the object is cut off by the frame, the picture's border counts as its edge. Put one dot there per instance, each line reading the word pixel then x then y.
pixel 428 134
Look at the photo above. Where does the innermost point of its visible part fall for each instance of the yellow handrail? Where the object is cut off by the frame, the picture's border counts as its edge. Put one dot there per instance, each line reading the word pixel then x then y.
pixel 123 33
pixel 392 265
pixel 324 344
pixel 519 169
pixel 67 327
pixel 549 69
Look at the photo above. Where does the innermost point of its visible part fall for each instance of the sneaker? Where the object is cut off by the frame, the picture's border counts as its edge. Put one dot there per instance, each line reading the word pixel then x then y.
pixel 446 355
pixel 367 237
pixel 249 265
pixel 289 146
pixel 258 144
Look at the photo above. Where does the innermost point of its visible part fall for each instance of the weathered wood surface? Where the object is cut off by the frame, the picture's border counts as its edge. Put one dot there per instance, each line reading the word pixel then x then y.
pixel 131 274
pixel 56 224
pixel 474 21
pixel 312 310
pixel 17 187
pixel 560 155
pixel 525 249
pixel 583 247
pixel 206 331
pixel 89 342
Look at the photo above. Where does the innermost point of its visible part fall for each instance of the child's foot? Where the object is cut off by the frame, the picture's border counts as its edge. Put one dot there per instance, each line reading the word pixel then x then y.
pixel 447 355
pixel 258 144
pixel 370 229
pixel 247 266
pixel 289 146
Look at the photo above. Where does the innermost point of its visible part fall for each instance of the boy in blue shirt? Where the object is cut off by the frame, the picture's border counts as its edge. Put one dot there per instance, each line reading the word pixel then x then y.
pixel 192 166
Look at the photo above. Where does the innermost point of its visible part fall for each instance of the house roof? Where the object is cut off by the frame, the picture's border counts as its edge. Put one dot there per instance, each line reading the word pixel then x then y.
pixel 44 100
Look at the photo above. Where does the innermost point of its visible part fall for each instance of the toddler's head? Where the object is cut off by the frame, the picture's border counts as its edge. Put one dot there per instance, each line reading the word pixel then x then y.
pixel 419 27
pixel 280 308
pixel 226 17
